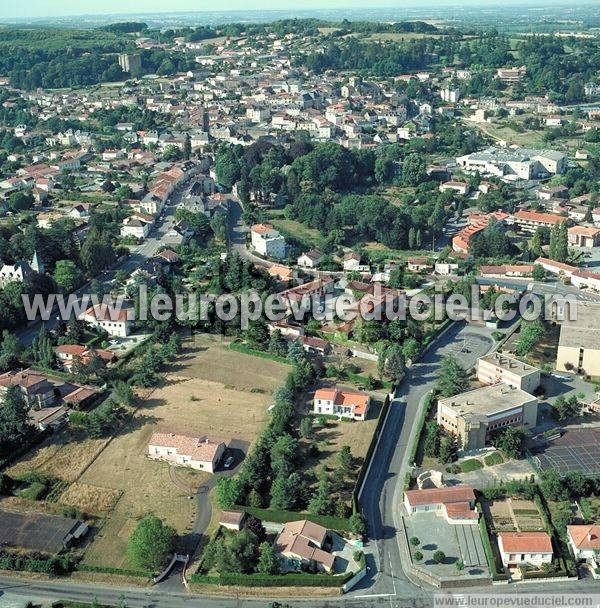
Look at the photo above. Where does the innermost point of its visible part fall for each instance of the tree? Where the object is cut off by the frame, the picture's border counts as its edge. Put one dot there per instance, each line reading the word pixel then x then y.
pixel 460 566
pixel 15 424
pixel 394 366
pixel 452 378
pixel 447 452
pixel 564 407
pixel 413 170
pixel 538 274
pixel 11 349
pixel 531 333
pixel 431 444
pixel 358 524
pixel 439 557
pixel 417 556
pixel 228 492
pixel 67 276
pixel 344 459
pixel 322 503
pixel 414 541
pixel 306 427
pixel 97 252
pixel 151 543
pixel 411 349
pixel 268 562
pixel 123 392
pixel 187 148
pixel 510 441
pixel 285 491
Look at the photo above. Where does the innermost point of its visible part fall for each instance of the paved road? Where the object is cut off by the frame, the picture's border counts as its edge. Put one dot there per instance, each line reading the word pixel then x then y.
pixel 46 591
pixel 382 492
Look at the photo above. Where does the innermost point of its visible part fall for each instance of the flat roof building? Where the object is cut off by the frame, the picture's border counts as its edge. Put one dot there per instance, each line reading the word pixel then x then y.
pixel 473 416
pixel 579 343
pixel 497 367
pixel 514 163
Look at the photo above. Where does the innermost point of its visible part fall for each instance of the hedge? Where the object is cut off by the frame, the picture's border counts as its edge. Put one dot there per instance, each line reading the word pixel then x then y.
pixel 280 517
pixel 421 425
pixel 369 455
pixel 493 557
pixel 109 570
pixel 248 350
pixel 273 580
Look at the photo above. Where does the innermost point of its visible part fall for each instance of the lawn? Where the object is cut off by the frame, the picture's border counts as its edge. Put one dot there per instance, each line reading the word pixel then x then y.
pixel 293 230
pixel 473 464
pixel 492 459
pixel 334 434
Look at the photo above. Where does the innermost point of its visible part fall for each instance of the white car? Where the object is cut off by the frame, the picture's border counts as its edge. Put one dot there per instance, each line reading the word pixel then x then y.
pixel 228 462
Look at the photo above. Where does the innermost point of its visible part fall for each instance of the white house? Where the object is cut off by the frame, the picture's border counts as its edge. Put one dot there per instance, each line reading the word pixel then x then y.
pixel 346 404
pixel 267 241
pixel 584 541
pixel 310 259
pixel 114 321
pixel 137 226
pixel 455 504
pixel 201 453
pixel 522 548
pixel 353 262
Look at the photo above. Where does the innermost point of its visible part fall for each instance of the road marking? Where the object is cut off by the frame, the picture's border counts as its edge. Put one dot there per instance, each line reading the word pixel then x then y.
pixel 392 571
pixel 360 597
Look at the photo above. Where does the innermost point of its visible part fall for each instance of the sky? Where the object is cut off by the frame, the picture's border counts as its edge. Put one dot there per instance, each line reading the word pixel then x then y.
pixel 45 8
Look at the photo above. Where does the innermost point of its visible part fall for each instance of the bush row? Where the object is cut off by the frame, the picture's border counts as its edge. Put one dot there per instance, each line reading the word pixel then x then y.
pixel 121 571
pixel 37 562
pixel 341 524
pixel 268 580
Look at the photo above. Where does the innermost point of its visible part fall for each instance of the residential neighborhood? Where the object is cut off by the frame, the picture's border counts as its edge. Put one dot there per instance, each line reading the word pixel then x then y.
pixel 300 306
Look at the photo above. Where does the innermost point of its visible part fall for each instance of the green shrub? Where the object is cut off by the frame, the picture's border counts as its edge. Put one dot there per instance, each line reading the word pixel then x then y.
pixel 492 459
pixel 35 491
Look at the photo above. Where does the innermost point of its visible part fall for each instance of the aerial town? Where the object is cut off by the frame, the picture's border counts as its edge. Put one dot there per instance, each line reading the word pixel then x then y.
pixel 164 438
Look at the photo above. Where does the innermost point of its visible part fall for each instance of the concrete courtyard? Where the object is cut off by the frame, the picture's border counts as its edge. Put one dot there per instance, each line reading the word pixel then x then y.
pixel 457 541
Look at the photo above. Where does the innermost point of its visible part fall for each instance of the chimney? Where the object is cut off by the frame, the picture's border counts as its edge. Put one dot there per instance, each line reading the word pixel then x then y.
pixel 590 536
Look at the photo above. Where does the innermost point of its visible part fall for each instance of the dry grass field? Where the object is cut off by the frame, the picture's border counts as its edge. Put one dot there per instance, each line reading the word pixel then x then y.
pixel 209 389
pixel 194 398
pixel 337 433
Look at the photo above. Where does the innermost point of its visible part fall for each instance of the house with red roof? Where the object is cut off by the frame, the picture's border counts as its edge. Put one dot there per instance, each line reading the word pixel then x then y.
pixel 197 452
pixel 456 504
pixel 584 541
pixel 345 404
pixel 525 548
pixel 301 542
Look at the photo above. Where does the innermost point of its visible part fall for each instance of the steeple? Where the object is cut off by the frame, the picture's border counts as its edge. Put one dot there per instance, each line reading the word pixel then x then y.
pixel 36 263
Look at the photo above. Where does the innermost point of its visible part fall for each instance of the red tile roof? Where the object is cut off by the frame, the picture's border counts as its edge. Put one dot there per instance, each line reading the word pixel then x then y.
pixel 525 542
pixel 586 536
pixel 446 496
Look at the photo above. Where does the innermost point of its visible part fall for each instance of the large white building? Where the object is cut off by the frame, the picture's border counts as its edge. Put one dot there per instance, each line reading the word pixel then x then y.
pixel 498 367
pixel 475 415
pixel 514 163
pixel 267 241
